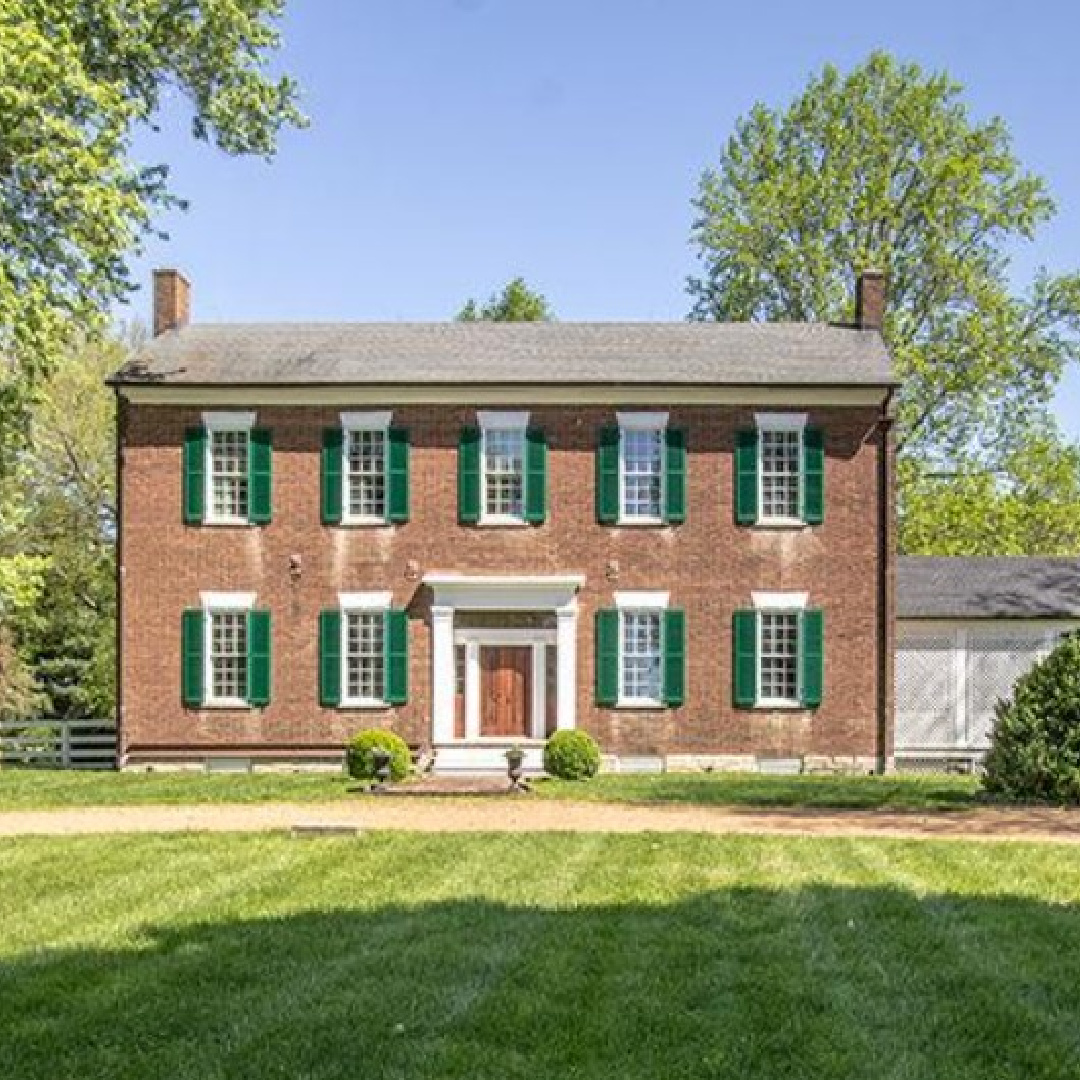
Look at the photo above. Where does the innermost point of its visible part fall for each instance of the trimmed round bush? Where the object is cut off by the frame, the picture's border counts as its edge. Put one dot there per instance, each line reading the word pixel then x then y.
pixel 1035 749
pixel 571 755
pixel 360 763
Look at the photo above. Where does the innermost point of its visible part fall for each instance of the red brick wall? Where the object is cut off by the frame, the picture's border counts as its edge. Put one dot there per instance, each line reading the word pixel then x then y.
pixel 709 565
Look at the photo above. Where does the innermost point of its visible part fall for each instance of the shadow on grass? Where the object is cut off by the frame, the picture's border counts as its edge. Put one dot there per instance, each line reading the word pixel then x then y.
pixel 936 792
pixel 816 982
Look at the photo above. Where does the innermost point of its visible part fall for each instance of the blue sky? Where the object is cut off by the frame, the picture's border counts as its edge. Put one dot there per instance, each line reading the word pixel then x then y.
pixel 457 143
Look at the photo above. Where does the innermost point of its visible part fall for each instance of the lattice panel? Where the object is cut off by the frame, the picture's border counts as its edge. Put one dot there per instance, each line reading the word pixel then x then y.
pixel 994 663
pixel 926 692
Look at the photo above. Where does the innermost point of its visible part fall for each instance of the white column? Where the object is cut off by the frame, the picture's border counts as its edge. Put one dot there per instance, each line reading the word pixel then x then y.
pixel 538 706
pixel 566 683
pixel 472 690
pixel 443 675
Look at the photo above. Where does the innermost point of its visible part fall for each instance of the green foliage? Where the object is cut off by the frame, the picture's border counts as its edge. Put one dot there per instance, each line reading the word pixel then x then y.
pixel 571 755
pixel 516 303
pixel 1035 752
pixel 360 763
pixel 77 77
pixel 885 167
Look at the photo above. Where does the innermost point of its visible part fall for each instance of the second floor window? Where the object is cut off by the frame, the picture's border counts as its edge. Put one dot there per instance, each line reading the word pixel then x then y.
pixel 366 464
pixel 504 473
pixel 642 474
pixel 364 657
pixel 781 468
pixel 229 475
pixel 228 657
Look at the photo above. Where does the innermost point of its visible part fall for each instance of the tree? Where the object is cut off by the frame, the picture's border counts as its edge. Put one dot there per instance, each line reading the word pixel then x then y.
pixel 884 167
pixel 516 303
pixel 76 78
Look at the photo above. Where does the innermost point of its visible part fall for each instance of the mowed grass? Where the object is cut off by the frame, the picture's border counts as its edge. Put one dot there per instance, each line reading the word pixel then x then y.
pixel 26 789
pixel 543 956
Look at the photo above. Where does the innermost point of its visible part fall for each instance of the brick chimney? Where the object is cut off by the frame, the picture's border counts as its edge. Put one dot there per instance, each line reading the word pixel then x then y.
pixel 870 300
pixel 172 301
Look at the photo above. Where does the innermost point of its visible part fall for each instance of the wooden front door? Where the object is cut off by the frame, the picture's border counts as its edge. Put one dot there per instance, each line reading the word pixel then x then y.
pixel 505 691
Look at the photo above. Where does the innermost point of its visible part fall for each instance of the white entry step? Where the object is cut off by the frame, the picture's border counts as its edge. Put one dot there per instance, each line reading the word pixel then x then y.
pixel 479 759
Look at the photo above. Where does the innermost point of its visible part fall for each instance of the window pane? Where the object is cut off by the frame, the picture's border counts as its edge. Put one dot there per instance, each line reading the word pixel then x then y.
pixel 364 661
pixel 229 475
pixel 366 462
pixel 779 656
pixel 642 463
pixel 641 679
pixel 504 472
pixel 228 655
pixel 780 453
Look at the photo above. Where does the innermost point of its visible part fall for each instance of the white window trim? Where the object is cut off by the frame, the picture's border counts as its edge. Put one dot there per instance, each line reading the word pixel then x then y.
pixel 379 420
pixel 213 603
pixel 491 420
pixel 779 422
pixel 780 603
pixel 635 603
pixel 223 421
pixel 368 602
pixel 641 421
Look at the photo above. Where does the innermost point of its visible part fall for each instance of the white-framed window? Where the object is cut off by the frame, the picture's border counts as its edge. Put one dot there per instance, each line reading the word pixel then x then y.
pixel 363 649
pixel 781 466
pixel 365 446
pixel 228 444
pixel 779 648
pixel 641 648
pixel 502 467
pixel 226 648
pixel 641 467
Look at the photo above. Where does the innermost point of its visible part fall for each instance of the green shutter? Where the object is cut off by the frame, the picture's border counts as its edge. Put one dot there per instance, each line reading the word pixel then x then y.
pixel 812 653
pixel 469 475
pixel 813 478
pixel 397 509
pixel 258 657
pixel 746 477
pixel 194 475
pixel 191 658
pixel 674 656
pixel 330 658
pixel 675 468
pixel 607 475
pixel 396 647
pixel 744 658
pixel 260 456
pixel 536 486
pixel 332 444
pixel 607 656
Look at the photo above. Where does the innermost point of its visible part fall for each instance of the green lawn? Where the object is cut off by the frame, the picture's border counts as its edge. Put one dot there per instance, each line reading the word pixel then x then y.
pixel 539 957
pixel 25 789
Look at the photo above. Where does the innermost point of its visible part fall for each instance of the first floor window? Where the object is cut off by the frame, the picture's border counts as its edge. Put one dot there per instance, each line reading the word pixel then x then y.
pixel 228 656
pixel 642 678
pixel 642 473
pixel 228 450
pixel 504 473
pixel 781 465
pixel 365 452
pixel 779 656
pixel 365 679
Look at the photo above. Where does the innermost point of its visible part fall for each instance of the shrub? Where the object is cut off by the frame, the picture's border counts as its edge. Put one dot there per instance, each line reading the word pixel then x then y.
pixel 1035 751
pixel 360 762
pixel 571 755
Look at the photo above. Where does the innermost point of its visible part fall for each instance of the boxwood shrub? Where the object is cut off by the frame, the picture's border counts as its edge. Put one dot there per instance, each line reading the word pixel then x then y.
pixel 359 760
pixel 571 755
pixel 1035 748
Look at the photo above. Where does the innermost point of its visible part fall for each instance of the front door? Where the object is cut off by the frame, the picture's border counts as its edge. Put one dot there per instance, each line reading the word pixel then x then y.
pixel 505 691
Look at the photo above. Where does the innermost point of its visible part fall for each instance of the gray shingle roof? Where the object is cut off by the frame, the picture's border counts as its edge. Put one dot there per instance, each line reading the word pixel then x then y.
pixel 514 353
pixel 1000 588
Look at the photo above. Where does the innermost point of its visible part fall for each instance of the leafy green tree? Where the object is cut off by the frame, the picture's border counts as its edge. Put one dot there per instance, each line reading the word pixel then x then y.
pixel 515 303
pixel 884 167
pixel 77 77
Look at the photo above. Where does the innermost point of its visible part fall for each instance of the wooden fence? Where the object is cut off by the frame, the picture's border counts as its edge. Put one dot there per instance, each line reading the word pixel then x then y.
pixel 58 744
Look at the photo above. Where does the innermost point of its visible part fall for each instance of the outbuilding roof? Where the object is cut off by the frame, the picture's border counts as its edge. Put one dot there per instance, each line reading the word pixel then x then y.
pixel 717 354
pixel 987 588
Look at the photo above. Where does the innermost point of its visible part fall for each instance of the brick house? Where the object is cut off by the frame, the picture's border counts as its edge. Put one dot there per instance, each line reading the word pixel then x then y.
pixel 677 537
